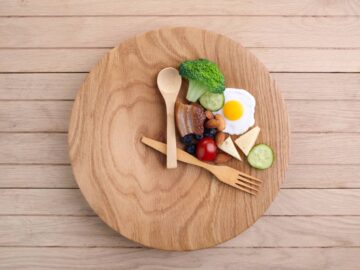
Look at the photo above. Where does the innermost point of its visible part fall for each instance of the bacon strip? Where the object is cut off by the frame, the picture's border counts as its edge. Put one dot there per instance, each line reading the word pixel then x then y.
pixel 189 119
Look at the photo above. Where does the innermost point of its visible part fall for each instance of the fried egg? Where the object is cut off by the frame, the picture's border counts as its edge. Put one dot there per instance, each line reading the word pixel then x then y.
pixel 238 111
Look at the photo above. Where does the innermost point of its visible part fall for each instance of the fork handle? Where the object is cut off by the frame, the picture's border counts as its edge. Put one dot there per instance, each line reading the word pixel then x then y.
pixel 181 154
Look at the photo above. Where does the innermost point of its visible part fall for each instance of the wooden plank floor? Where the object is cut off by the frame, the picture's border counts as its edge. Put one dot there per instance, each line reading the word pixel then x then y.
pixel 312 49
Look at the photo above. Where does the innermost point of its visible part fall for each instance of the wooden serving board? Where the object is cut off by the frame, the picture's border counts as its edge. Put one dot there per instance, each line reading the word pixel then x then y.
pixel 127 183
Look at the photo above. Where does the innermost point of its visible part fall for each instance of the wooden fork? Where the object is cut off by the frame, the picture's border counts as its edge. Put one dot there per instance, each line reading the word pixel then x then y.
pixel 225 174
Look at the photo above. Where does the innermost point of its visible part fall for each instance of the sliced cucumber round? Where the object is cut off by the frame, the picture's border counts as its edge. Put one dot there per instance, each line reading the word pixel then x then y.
pixel 261 157
pixel 212 101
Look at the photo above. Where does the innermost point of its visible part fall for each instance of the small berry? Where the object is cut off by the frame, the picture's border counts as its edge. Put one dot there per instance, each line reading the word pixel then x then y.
pixel 199 137
pixel 188 139
pixel 191 149
pixel 210 132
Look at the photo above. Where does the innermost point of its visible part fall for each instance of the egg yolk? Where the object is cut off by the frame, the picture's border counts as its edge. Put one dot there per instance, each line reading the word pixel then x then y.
pixel 233 110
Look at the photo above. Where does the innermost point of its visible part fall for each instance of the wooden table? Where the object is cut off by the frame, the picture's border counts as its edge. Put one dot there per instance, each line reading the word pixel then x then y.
pixel 311 47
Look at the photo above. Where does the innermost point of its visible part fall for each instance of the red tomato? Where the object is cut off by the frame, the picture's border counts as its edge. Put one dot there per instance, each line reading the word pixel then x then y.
pixel 206 149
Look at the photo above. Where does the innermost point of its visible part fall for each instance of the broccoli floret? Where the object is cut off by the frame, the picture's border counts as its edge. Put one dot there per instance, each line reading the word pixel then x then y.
pixel 203 76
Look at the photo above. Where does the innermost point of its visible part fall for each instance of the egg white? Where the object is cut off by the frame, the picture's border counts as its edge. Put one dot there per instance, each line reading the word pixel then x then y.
pixel 247 120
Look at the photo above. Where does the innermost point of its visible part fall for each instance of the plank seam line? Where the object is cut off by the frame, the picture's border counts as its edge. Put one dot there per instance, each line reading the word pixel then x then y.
pixel 52 100
pixel 39 164
pixel 271 72
pixel 45 72
pixel 67 164
pixel 34 132
pixel 96 216
pixel 320 215
pixel 177 15
pixel 324 132
pixel 50 215
pixel 247 47
pixel 73 99
pixel 77 188
pixel 56 188
pixel 87 71
pixel 292 132
pixel 145 248
pixel 63 72
pixel 317 188
pixel 15 164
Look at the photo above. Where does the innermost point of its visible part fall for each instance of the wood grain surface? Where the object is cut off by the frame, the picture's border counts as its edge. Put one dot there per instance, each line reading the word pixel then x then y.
pixel 269 231
pixel 213 259
pixel 185 7
pixel 249 31
pixel 55 176
pixel 67 202
pixel 47 49
pixel 126 184
pixel 331 148
pixel 305 115
pixel 275 59
pixel 294 86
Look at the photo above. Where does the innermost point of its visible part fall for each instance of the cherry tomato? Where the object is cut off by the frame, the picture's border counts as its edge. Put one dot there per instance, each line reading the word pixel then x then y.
pixel 206 149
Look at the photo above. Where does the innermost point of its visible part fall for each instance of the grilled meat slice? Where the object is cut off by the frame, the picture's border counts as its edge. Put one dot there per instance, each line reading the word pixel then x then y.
pixel 189 118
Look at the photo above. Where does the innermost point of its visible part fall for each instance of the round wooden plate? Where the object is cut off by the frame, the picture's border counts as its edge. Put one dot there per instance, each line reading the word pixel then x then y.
pixel 127 184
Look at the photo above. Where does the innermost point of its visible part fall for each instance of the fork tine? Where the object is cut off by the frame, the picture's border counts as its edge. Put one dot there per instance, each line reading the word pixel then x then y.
pixel 240 178
pixel 246 185
pixel 250 177
pixel 244 189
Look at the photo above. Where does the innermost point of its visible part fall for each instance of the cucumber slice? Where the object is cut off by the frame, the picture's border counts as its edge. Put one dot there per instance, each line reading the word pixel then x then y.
pixel 212 101
pixel 261 157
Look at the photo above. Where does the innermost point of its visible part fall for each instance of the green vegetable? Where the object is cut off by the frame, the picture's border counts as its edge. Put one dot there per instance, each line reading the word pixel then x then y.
pixel 204 76
pixel 261 157
pixel 212 101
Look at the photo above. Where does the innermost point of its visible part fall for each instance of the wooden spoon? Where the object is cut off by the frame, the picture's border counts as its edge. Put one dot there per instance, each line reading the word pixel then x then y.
pixel 169 83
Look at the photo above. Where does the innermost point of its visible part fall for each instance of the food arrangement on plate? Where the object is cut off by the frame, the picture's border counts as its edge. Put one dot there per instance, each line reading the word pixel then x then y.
pixel 216 112
pixel 211 118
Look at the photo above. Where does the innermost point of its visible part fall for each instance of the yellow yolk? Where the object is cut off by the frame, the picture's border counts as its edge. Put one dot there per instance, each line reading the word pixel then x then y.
pixel 233 110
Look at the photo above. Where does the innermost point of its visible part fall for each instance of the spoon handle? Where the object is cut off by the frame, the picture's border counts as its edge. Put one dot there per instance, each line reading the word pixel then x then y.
pixel 171 160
